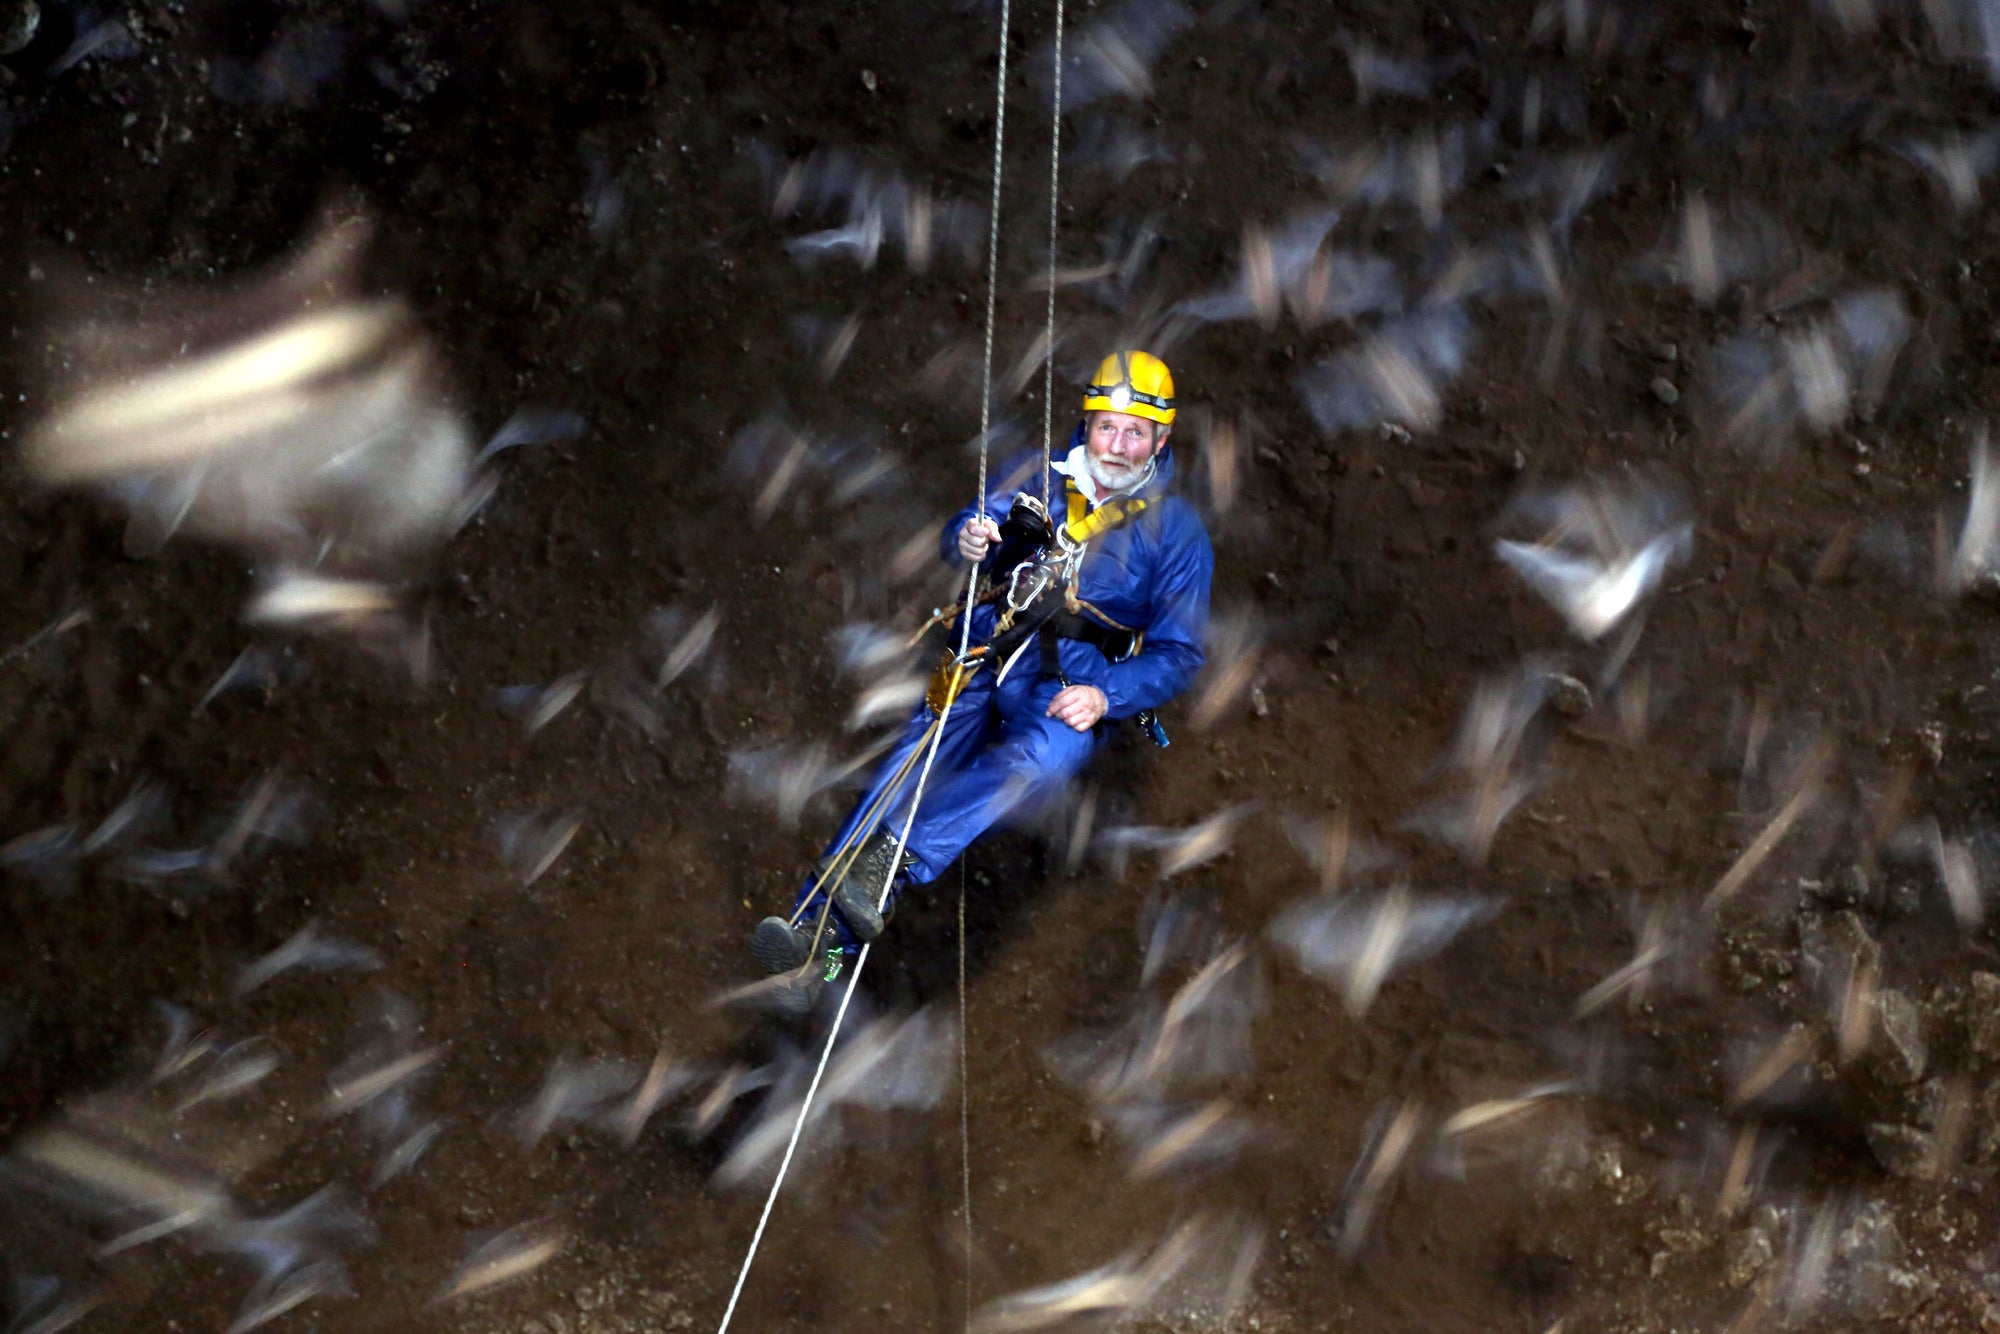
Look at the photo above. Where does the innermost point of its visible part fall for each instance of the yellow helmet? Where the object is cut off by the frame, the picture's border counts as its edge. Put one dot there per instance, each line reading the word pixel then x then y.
pixel 1134 382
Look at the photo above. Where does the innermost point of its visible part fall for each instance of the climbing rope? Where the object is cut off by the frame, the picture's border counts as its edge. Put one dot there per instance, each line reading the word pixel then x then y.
pixel 937 735
pixel 833 1035
pixel 992 292
pixel 964 1101
pixel 1049 332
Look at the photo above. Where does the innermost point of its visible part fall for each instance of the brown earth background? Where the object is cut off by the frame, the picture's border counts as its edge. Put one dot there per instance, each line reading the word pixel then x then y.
pixel 1364 560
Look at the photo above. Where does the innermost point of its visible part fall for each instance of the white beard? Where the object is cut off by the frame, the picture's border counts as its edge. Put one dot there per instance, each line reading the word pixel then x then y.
pixel 1116 481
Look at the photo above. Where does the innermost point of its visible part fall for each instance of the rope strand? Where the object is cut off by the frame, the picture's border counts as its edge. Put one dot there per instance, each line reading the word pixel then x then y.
pixel 964 1099
pixel 965 632
pixel 937 736
pixel 992 283
pixel 1049 333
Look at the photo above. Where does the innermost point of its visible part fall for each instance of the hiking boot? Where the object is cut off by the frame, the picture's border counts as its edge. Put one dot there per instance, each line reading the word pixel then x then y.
pixel 855 895
pixel 779 947
pixel 794 995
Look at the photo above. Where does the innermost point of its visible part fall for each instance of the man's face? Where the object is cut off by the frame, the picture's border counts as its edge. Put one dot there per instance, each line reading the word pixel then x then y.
pixel 1119 445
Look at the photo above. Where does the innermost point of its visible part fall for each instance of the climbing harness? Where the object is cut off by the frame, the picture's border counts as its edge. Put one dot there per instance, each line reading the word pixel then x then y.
pixel 1040 566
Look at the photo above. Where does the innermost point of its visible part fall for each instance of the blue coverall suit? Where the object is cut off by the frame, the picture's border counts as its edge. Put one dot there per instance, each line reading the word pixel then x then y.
pixel 1000 752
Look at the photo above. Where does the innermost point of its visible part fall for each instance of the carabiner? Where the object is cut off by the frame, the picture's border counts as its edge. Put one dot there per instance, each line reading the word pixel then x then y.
pixel 1038 577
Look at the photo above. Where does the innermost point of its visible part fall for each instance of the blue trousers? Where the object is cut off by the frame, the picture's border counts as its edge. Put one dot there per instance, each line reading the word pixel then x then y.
pixel 1001 755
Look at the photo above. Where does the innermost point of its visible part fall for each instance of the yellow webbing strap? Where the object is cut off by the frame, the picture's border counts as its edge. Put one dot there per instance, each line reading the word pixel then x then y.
pixel 1085 523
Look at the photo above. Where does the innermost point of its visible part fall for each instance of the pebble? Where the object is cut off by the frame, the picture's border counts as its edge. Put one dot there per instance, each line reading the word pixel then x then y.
pixel 1868 1272
pixel 1749 1254
pixel 1259 706
pixel 1902 896
pixel 1606 1165
pixel 1665 390
pixel 1982 1019
pixel 1871 1234
pixel 1987 1118
pixel 1668 352
pixel 868 80
pixel 1568 696
pixel 1903 1151
pixel 1898 1053
pixel 1845 888
pixel 1831 949
pixel 1903 1292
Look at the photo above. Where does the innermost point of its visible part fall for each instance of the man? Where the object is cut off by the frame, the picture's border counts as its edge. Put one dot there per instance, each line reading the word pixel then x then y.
pixel 1114 632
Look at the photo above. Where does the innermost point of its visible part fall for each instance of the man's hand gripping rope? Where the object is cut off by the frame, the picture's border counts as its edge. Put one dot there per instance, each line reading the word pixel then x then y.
pixel 976 537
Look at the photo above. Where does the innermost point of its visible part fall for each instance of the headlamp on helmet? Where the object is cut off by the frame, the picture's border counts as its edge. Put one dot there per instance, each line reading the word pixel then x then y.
pixel 1134 382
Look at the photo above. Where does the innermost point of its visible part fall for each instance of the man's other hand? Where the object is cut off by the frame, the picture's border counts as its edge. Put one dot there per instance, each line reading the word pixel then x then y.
pixel 1079 706
pixel 977 535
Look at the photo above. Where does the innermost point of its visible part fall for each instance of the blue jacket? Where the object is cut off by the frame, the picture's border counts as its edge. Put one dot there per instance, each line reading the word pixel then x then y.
pixel 1152 574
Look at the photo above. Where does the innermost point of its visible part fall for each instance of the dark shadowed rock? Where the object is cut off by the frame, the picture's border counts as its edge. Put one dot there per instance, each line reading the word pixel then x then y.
pixel 1845 888
pixel 1982 1016
pixel 1568 696
pixel 1834 947
pixel 1897 1053
pixel 1903 1151
pixel 1746 1255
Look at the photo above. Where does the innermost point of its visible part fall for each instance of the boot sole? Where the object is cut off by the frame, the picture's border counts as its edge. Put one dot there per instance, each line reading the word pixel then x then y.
pixel 856 903
pixel 775 948
pixel 795 999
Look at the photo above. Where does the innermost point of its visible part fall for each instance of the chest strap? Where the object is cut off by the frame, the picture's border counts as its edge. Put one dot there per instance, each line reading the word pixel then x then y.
pixel 1086 523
